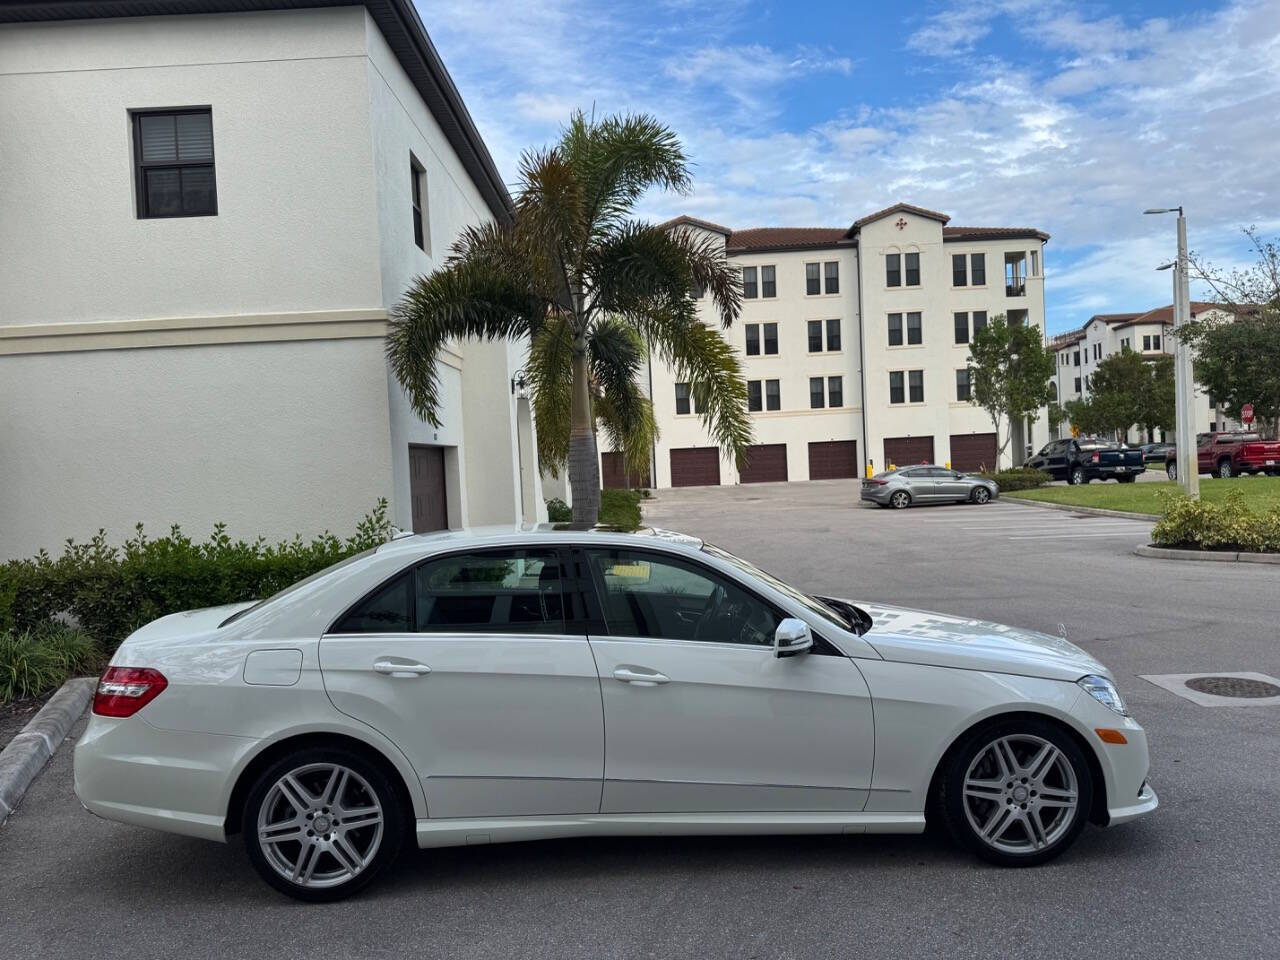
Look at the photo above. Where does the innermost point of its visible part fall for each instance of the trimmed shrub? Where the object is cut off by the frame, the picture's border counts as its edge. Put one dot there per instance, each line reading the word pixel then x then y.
pixel 620 508
pixel 1225 525
pixel 1018 478
pixel 35 662
pixel 111 591
pixel 558 511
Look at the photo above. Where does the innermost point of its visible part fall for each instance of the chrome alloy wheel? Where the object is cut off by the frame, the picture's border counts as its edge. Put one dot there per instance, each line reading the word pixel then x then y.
pixel 1020 794
pixel 320 825
pixel 981 495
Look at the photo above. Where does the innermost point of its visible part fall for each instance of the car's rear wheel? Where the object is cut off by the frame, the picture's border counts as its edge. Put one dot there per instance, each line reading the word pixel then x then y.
pixel 1016 792
pixel 980 495
pixel 1171 471
pixel 900 500
pixel 1076 476
pixel 321 823
pixel 1225 470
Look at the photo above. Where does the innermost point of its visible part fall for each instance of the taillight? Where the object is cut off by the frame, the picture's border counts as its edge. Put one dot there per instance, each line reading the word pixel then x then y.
pixel 1096 456
pixel 123 691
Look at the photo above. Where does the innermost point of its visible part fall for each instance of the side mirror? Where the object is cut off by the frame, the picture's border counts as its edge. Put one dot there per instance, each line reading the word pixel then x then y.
pixel 792 637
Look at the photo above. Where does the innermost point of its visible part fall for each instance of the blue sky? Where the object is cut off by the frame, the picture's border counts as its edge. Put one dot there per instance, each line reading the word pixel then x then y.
pixel 1067 116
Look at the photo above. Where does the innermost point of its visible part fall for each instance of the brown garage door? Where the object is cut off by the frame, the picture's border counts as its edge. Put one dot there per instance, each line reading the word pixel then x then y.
pixel 430 509
pixel 973 451
pixel 903 451
pixel 695 466
pixel 765 462
pixel 830 459
pixel 613 473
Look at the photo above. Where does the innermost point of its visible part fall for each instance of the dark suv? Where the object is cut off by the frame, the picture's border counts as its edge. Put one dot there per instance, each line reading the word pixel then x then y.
pixel 1088 458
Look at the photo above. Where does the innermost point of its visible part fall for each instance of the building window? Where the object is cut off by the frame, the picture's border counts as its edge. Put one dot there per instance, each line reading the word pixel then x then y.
pixel 833 335
pixel 895 329
pixel 768 281
pixel 915 384
pixel 771 339
pixel 1086 381
pixel 1077 384
pixel 914 334
pixel 1146 343
pixel 1155 342
pixel 913 269
pixel 978 269
pixel 754 397
pixel 1097 351
pixel 959 276
pixel 1076 359
pixel 835 391
pixel 893 269
pixel 962 327
pixel 749 290
pixel 815 393
pixel 962 384
pixel 753 339
pixel 896 394
pixel 979 322
pixel 772 396
pixel 815 336
pixel 682 398
pixel 831 276
pixel 173 163
pixel 812 281
pixel 1124 343
pixel 417 175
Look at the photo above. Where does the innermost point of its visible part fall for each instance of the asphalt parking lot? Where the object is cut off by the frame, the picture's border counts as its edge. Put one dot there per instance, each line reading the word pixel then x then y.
pixel 1196 879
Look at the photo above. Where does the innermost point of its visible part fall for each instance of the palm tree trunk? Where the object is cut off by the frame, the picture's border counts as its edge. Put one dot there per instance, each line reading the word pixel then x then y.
pixel 584 461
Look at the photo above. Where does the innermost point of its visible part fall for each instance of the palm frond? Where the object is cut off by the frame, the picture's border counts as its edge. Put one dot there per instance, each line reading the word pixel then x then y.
pixel 617 357
pixel 550 372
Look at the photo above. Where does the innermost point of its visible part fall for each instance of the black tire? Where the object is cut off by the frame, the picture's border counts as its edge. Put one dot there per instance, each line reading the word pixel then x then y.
pixel 951 799
pixel 376 782
pixel 980 495
pixel 1225 470
pixel 1171 471
pixel 1076 476
pixel 900 500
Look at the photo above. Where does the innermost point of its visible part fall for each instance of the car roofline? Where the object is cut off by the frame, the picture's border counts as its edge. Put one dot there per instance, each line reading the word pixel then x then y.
pixel 533 533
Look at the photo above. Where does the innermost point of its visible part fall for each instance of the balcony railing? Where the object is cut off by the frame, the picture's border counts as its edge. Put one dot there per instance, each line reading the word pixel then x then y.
pixel 1015 286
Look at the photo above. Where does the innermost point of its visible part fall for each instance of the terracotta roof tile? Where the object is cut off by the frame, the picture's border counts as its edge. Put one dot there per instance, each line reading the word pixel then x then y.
pixel 684 219
pixel 784 238
pixel 1163 315
pixel 992 233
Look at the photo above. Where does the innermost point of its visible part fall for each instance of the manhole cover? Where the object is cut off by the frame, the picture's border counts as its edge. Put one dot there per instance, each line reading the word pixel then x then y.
pixel 1233 687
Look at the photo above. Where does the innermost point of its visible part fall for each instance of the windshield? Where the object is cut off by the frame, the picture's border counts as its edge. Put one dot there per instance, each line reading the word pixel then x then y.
pixel 301 583
pixel 812 604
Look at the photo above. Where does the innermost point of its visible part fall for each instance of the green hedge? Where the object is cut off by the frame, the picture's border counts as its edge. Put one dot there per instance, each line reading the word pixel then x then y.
pixel 1018 478
pixel 618 508
pixel 1228 524
pixel 111 591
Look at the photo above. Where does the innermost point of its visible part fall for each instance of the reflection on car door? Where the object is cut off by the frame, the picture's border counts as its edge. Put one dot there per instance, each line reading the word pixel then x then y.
pixel 700 716
pixel 921 485
pixel 471 665
pixel 950 484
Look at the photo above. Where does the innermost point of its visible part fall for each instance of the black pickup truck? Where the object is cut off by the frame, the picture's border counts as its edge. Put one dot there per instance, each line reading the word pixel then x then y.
pixel 1085 459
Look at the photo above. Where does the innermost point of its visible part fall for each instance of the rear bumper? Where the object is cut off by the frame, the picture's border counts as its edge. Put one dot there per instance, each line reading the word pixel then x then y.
pixel 876 494
pixel 176 781
pixel 1110 473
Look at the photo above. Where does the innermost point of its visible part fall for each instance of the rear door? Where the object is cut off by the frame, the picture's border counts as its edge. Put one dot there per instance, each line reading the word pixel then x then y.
pixel 476 666
pixel 921 484
pixel 700 716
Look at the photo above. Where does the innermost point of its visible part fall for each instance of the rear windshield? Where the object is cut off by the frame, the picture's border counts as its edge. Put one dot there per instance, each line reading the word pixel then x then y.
pixel 301 583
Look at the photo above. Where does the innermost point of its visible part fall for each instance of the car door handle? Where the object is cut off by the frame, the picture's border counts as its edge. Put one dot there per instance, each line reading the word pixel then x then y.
pixel 639 676
pixel 401 668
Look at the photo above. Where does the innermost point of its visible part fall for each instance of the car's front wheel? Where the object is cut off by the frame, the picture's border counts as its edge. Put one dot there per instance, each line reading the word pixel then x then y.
pixel 321 823
pixel 980 495
pixel 1171 471
pixel 1016 792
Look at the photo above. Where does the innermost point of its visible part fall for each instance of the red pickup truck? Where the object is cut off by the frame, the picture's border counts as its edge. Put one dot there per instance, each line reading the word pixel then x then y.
pixel 1230 454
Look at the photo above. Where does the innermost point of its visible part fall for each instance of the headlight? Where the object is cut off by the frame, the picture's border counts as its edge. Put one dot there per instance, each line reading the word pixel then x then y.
pixel 1105 692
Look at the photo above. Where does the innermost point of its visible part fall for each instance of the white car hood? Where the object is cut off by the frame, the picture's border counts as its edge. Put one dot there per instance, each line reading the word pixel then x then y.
pixel 936 639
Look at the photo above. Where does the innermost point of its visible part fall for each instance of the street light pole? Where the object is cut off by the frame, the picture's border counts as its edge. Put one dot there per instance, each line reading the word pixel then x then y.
pixel 1183 376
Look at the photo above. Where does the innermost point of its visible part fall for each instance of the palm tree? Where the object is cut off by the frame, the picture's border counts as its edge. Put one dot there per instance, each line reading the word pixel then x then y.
pixel 593 290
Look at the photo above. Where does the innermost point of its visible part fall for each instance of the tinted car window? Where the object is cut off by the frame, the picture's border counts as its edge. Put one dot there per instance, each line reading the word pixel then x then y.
pixel 517 591
pixel 648 595
pixel 387 610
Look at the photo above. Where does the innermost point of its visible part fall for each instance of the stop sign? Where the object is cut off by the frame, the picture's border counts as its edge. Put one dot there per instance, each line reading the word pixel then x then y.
pixel 1246 413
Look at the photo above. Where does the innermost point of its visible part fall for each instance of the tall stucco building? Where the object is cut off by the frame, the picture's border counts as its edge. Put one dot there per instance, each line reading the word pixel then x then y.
pixel 854 344
pixel 207 209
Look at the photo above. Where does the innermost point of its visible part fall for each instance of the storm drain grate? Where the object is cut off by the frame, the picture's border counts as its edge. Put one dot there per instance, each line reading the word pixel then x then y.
pixel 1233 687
pixel 1221 689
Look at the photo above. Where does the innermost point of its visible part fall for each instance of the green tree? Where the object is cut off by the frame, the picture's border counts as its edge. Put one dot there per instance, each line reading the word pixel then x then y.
pixel 592 289
pixel 1237 349
pixel 1009 375
pixel 1127 390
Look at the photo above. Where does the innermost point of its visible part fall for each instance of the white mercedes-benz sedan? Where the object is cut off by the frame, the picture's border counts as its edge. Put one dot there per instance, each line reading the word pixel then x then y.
pixel 491 685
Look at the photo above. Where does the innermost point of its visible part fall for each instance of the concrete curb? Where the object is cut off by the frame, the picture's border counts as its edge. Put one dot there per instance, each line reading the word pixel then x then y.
pixel 1212 556
pixel 30 750
pixel 1091 511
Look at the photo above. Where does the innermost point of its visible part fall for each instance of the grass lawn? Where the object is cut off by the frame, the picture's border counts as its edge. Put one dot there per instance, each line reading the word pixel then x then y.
pixel 1261 493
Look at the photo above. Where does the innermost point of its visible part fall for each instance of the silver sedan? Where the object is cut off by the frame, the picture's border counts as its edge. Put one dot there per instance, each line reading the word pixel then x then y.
pixel 927 483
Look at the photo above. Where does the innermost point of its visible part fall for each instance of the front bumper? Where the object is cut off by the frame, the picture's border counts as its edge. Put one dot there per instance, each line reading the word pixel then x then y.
pixel 1147 801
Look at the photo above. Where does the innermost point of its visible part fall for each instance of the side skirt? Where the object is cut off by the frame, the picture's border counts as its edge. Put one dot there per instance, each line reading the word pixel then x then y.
pixel 462 832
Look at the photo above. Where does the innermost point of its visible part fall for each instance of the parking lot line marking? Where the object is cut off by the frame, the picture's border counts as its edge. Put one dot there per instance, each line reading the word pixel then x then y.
pixel 1078 536
pixel 1027 529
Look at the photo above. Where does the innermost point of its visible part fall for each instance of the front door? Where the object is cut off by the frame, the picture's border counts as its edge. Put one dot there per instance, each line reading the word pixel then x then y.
pixel 921 482
pixel 700 716
pixel 468 664
pixel 430 510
